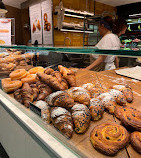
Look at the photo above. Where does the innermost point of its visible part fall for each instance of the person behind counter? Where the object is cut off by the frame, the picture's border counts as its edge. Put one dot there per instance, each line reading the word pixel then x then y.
pixel 109 41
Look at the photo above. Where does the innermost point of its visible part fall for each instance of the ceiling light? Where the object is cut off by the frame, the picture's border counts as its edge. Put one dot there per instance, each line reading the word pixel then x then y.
pixel 135 15
pixel 2 7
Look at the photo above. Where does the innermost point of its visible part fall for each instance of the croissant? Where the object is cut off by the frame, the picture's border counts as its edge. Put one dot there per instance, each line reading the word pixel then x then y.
pixel 62 120
pixel 45 110
pixel 130 117
pixel 120 98
pixel 96 109
pixel 44 92
pixel 50 81
pixel 136 141
pixel 69 75
pixel 27 94
pixel 80 95
pixel 17 96
pixel 108 138
pixel 61 99
pixel 58 75
pixel 126 91
pixel 48 71
pixel 108 101
pixel 81 117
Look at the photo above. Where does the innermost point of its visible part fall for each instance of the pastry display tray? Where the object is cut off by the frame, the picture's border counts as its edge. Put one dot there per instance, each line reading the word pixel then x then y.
pixel 134 72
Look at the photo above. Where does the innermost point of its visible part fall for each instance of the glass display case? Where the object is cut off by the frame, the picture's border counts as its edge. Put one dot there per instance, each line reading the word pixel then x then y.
pixel 50 57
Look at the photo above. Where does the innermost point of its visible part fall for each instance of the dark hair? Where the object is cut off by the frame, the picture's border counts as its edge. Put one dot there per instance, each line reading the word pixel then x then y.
pixel 107 21
pixel 119 24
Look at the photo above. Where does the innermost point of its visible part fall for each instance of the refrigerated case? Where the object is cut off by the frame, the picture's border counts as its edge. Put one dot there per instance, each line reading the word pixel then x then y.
pixel 24 134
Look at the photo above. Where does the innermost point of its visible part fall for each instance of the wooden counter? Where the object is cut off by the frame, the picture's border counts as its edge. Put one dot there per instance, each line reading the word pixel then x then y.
pixel 105 80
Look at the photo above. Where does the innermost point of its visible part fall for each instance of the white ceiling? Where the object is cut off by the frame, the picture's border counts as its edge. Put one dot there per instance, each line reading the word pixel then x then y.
pixel 17 3
pixel 117 2
pixel 14 3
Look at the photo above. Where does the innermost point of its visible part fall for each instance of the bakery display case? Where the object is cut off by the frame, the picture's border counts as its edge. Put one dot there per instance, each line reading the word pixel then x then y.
pixel 104 100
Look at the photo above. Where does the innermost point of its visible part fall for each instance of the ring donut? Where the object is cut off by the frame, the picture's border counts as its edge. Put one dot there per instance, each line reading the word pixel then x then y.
pixel 9 86
pixel 48 26
pixel 45 16
pixel 31 78
pixel 18 74
pixel 36 70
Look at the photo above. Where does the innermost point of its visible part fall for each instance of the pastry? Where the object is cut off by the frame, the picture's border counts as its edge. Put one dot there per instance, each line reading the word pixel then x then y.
pixel 31 78
pixel 120 98
pixel 38 25
pixel 45 110
pixel 126 90
pixel 27 94
pixel 68 75
pixel 36 70
pixel 130 117
pixel 48 71
pixel 62 120
pixel 108 101
pixel 81 117
pixel 50 81
pixel 80 95
pixel 61 99
pixel 17 96
pixel 10 86
pixel 34 28
pixel 136 141
pixel 108 138
pixel 96 109
pixel 18 74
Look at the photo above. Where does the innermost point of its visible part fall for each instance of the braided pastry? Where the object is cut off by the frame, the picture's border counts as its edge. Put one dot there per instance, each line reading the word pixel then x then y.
pixel 136 141
pixel 80 95
pixel 96 109
pixel 17 96
pixel 62 120
pixel 81 117
pixel 58 75
pixel 108 138
pixel 48 71
pixel 126 91
pixel 130 117
pixel 35 91
pixel 60 98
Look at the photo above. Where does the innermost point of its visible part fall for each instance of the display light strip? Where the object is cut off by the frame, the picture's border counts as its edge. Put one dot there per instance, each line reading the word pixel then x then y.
pixel 135 15
pixel 76 31
pixel 75 16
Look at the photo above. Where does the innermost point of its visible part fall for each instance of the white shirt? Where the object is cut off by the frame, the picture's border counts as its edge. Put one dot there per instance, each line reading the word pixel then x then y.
pixel 110 42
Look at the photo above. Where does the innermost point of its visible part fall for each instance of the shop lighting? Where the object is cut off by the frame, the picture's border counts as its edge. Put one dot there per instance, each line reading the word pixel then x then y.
pixel 134 23
pixel 75 16
pixel 3 9
pixel 76 31
pixel 133 15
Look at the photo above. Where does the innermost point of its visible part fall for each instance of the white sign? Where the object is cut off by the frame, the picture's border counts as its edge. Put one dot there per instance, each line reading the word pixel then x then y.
pixel 46 7
pixel 5 31
pixel 36 23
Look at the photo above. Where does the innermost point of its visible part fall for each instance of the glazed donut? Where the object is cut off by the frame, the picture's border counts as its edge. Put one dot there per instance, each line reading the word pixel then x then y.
pixel 136 141
pixel 7 67
pixel 18 74
pixel 48 26
pixel 45 16
pixel 31 78
pixel 108 138
pixel 9 86
pixel 36 70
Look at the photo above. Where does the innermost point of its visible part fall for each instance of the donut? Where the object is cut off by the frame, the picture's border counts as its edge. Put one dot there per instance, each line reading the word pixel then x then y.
pixel 45 16
pixel 18 74
pixel 31 78
pixel 109 138
pixel 10 86
pixel 136 141
pixel 48 26
pixel 36 70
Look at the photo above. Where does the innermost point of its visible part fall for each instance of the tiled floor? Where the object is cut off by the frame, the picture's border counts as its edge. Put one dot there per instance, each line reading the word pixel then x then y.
pixel 3 153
